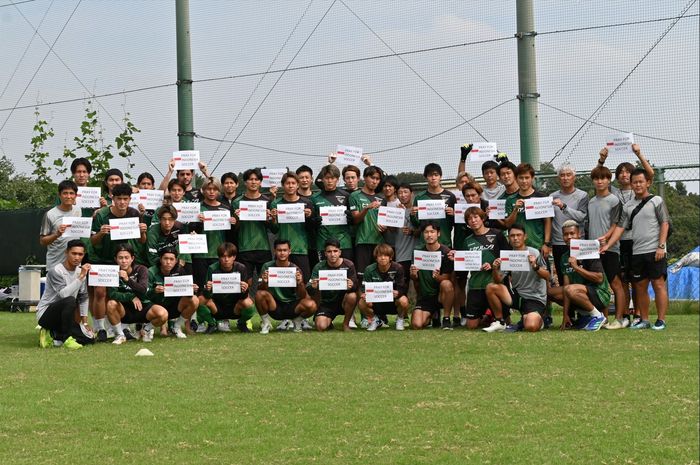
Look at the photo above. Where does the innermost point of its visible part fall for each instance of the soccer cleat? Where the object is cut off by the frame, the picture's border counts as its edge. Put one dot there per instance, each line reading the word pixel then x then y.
pixel 306 326
pixel 495 326
pixel 224 326
pixel 635 321
pixel 147 335
pixel 201 328
pixel 177 331
pixel 364 323
pixel 617 324
pixel 400 323
pixel 193 325
pixel 660 325
pixel 72 344
pixel 595 323
pixel 119 339
pixel 243 326
pixel 45 339
pixel 547 321
pixel 446 324
pixel 211 329
pixel 102 336
pixel 456 322
pixel 128 335
pixel 375 324
pixel 298 325
pixel 87 332
pixel 352 324
pixel 463 321
pixel 516 327
pixel 625 323
pixel 641 324
pixel 265 327
pixel 435 323
pixel 285 325
pixel 582 321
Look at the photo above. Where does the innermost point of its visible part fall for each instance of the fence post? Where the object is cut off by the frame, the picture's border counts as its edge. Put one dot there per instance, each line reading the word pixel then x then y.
pixel 527 84
pixel 661 180
pixel 185 121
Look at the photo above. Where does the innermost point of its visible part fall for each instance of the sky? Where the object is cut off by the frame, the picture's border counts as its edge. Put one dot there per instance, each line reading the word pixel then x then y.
pixel 384 105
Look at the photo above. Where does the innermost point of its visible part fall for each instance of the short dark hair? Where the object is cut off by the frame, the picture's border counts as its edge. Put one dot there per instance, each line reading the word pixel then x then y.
pixel 506 165
pixel 169 209
pixel 432 168
pixel 145 175
pixel 351 168
pixel 371 171
pixel 518 226
pixel 475 211
pixel 227 249
pixel 392 180
pixel 383 249
pixel 601 172
pixel 435 225
pixel 81 161
pixel 67 185
pixel 176 182
pixel 252 171
pixel 331 241
pixel 122 189
pixel 525 168
pixel 229 175
pixel 124 247
pixel 114 172
pixel 168 249
pixel 473 185
pixel 638 171
pixel 305 169
pixel 288 175
pixel 406 185
pixel 279 241
pixel 627 166
pixel 489 165
pixel 75 243
pixel 333 171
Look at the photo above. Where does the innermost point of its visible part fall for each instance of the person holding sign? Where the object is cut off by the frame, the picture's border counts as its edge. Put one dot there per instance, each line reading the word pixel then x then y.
pixel 104 247
pixel 185 177
pixel 52 227
pixel 525 291
pixel 253 244
pixel 506 174
pixel 331 196
pixel 385 269
pixel 433 174
pixel 146 182
pixel 435 289
pixel 166 234
pixel 585 290
pixel 179 309
pixel 217 305
pixel 364 205
pixel 113 177
pixel 64 298
pixel 332 303
pixel 282 303
pixel 297 231
pixel 127 303
pixel 489 242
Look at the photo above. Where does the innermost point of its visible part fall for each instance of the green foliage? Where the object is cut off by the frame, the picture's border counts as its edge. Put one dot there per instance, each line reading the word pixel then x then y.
pixel 411 178
pixel 38 156
pixel 685 216
pixel 20 191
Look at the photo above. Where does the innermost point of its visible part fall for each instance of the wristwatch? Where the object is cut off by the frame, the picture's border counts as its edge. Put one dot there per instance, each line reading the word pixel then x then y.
pixel 662 246
pixel 548 244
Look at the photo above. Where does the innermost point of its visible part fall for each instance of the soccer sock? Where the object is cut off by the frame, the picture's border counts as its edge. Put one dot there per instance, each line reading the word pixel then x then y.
pixel 266 319
pixel 204 315
pixel 148 326
pixel 118 330
pixel 179 322
pixel 595 313
pixel 247 314
pixel 99 323
pixel 124 326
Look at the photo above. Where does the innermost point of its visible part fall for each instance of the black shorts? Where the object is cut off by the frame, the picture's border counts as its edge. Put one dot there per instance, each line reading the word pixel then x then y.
pixel 477 303
pixel 593 297
pixel 430 304
pixel 364 256
pixel 284 310
pixel 461 276
pixel 131 315
pixel 644 266
pixel 302 261
pixel 525 306
pixel 611 265
pixel 224 310
pixel 171 307
pixel 384 308
pixel 331 309
pixel 626 259
pixel 199 271
pixel 254 259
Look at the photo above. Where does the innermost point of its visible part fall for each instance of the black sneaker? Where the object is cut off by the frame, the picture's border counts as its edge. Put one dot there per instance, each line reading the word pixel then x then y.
pixel 211 329
pixel 242 327
pixel 436 323
pixel 547 321
pixel 101 335
pixel 128 335
pixel 193 325
pixel 456 322
pixel 446 325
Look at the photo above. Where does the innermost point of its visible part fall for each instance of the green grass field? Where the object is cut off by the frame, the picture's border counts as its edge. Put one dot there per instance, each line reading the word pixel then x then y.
pixel 618 397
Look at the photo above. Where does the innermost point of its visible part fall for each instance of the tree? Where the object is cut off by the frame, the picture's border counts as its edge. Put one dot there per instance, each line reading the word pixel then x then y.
pixel 20 191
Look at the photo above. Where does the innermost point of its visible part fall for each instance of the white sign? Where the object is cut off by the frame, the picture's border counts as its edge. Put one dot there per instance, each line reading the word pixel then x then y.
pixel 104 276
pixel 282 276
pixel 584 249
pixel 186 159
pixel 467 260
pixel 333 280
pixel 290 213
pixel 425 260
pixel 124 228
pixel 620 143
pixel 77 226
pixel 483 151
pixel 497 209
pixel 538 207
pixel 88 197
pixel 333 216
pixel 346 155
pixel 226 283
pixel 461 209
pixel 178 286
pixel 217 220
pixel 515 260
pixel 391 216
pixel 431 209
pixel 151 199
pixel 192 243
pixel 252 210
pixel 187 212
pixel 272 177
pixel 382 291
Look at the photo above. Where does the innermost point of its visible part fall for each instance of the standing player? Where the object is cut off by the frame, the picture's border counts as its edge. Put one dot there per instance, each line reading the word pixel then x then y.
pixel 506 174
pixel 305 178
pixel 384 269
pixel 185 177
pixel 433 174
pixel 332 196
pixel 52 229
pixel 364 205
pixel 229 187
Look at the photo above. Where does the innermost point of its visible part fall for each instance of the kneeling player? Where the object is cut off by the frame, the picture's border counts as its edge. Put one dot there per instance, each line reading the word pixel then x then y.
pixel 127 303
pixel 282 303
pixel 334 303
pixel 180 309
pixel 216 308
pixel 385 270
pixel 527 291
pixel 435 288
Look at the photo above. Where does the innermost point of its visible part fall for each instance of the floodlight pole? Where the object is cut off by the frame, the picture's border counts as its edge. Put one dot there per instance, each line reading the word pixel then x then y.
pixel 185 121
pixel 527 85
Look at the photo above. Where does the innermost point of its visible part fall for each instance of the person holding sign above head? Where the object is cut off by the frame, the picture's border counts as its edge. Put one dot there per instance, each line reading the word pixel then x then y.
pixel 364 205
pixel 52 234
pixel 434 287
pixel 226 293
pixel 333 297
pixel 127 303
pixel 585 290
pixel 111 226
pixel 489 242
pixel 64 298
pixel 331 215
pixel 185 177
pixel 425 208
pixel 281 292
pixel 384 270
pixel 181 306
pixel 525 290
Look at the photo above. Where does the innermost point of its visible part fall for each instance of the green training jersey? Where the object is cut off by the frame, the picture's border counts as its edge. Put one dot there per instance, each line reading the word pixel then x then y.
pixel 490 244
pixel 602 290
pixel 333 198
pixel 252 235
pixel 156 241
pixel 135 286
pixel 281 294
pixel 367 231
pixel 227 299
pixel 214 238
pixel 445 223
pixel 533 228
pixel 156 278
pixel 296 233
pixel 393 275
pixel 427 285
pixel 328 297
pixel 103 252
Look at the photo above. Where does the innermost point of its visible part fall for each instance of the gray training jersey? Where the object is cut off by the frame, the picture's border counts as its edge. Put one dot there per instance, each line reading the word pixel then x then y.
pixel 603 212
pixel 576 209
pixel 528 283
pixel 646 225
pixel 493 193
pixel 56 251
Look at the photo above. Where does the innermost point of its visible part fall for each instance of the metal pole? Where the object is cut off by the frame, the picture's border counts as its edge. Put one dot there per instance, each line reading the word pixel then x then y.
pixel 527 85
pixel 185 121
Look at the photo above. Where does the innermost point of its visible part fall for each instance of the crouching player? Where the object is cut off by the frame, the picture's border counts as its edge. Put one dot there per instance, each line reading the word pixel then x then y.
pixel 179 309
pixel 217 308
pixel 128 303
pixel 435 289
pixel 333 303
pixel 527 291
pixel 282 303
pixel 384 269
